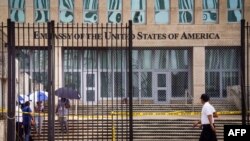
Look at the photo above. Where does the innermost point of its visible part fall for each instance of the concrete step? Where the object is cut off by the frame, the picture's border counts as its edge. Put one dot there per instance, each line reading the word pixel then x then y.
pixel 152 108
pixel 144 130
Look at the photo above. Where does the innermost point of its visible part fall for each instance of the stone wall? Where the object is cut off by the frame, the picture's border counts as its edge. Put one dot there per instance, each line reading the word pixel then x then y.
pixel 3 129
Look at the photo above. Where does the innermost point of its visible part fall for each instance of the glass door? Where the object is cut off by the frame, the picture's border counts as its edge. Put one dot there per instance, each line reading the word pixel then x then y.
pixel 162 87
pixel 90 87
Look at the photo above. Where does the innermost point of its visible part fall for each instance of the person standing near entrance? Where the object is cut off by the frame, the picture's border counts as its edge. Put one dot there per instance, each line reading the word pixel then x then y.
pixel 19 122
pixel 62 110
pixel 27 117
pixel 39 109
pixel 208 113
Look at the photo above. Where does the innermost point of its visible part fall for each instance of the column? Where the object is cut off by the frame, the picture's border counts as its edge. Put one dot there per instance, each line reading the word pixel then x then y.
pixel 198 73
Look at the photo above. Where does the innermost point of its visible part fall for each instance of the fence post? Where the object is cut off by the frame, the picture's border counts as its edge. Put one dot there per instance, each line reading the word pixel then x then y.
pixel 130 83
pixel 248 77
pixel 243 65
pixel 51 97
pixel 11 126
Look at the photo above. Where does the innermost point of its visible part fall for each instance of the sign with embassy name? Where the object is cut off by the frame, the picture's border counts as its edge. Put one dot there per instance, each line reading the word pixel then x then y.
pixel 138 36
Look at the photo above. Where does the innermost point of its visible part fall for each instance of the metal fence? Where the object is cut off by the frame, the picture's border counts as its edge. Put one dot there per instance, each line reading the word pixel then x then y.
pixel 92 60
pixel 245 87
pixel 113 81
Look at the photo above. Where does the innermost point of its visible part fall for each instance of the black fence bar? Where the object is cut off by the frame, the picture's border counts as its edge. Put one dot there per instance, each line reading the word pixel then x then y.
pixel 130 83
pixel 248 69
pixel 243 73
pixel 51 99
pixel 11 127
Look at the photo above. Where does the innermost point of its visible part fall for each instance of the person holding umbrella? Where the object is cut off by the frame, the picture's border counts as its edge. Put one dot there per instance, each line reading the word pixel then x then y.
pixel 62 110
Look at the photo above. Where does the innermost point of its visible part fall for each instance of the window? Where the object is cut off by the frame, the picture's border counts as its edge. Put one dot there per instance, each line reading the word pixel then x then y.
pixel 146 63
pixel 33 66
pixel 90 11
pixel 235 10
pixel 222 70
pixel 146 84
pixel 17 10
pixel 110 69
pixel 210 11
pixel 179 83
pixel 186 8
pixel 161 11
pixel 66 11
pixel 138 11
pixel 114 11
pixel 41 10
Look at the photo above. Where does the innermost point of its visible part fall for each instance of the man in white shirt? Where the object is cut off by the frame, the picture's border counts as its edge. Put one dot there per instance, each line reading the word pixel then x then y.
pixel 207 120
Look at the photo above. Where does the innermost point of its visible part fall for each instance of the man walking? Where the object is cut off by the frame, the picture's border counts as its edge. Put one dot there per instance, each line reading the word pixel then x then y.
pixel 207 120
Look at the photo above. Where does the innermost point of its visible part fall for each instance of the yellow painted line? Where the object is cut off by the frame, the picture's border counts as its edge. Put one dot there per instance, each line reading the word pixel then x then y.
pixel 175 113
pixel 120 114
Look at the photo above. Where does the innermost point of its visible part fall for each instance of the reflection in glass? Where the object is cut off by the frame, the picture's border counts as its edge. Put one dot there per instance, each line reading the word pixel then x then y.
pixel 146 84
pixel 210 11
pixel 222 70
pixel 213 84
pixel 229 79
pixel 89 61
pixel 186 11
pixel 138 8
pixel 17 10
pixel 114 11
pixel 66 8
pixel 106 84
pixel 162 59
pixel 105 59
pixel 147 59
pixel 135 84
pixel 72 59
pixel 135 59
pixel 72 80
pixel 119 85
pixel 162 11
pixel 90 11
pixel 41 10
pixel 179 59
pixel 234 10
pixel 179 83
pixel 212 59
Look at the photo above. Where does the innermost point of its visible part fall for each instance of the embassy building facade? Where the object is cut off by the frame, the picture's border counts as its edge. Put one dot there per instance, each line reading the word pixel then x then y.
pixel 181 48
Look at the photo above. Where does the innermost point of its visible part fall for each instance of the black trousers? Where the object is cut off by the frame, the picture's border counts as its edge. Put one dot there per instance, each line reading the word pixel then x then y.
pixel 19 131
pixel 207 134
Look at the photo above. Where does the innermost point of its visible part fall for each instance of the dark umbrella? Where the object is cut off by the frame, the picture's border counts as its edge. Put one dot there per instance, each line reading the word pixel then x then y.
pixel 66 92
